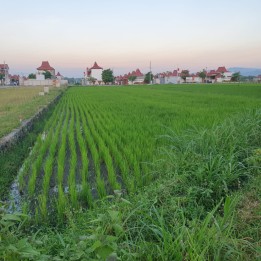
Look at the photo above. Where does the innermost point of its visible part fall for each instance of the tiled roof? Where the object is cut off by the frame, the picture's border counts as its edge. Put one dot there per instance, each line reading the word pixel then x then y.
pixel 175 73
pixel 4 66
pixel 138 73
pixel 222 69
pixel 45 66
pixel 14 77
pixel 96 66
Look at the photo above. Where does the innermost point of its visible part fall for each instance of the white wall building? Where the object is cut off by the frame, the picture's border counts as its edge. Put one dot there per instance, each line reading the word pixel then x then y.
pixel 45 67
pixel 56 80
pixel 93 75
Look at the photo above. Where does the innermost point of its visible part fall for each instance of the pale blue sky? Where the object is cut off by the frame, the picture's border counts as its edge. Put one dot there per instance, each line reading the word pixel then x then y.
pixel 125 35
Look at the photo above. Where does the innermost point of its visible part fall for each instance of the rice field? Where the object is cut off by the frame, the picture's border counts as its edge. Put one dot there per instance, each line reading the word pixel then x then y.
pixel 105 139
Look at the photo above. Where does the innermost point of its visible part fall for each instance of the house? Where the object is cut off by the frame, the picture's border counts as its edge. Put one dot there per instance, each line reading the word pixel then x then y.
pixel 196 78
pixel 14 79
pixel 159 78
pixel 56 80
pixel 168 78
pixel 258 79
pixel 4 70
pixel 93 75
pixel 45 67
pixel 173 77
pixel 138 78
pixel 220 75
pixel 59 76
pixel 121 80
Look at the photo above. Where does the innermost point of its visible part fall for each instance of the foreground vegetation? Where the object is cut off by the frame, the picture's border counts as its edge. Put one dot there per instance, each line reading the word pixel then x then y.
pixel 101 140
pixel 21 103
pixel 203 204
pixel 19 151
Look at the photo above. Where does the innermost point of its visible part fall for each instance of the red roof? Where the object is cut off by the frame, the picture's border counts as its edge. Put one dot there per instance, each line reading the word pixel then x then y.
pixel 96 66
pixel 4 66
pixel 136 73
pixel 212 73
pixel 168 74
pixel 14 77
pixel 45 66
pixel 221 69
pixel 58 74
pixel 175 73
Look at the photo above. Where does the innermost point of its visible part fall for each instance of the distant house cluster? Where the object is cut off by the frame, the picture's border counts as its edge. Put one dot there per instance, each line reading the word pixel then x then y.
pixel 134 77
pixel 6 78
pixel 213 76
pixel 219 75
pixel 93 76
pixel 168 77
pixel 40 79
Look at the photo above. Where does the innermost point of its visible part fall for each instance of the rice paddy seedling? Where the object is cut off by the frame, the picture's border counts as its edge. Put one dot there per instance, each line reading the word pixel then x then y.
pixel 103 139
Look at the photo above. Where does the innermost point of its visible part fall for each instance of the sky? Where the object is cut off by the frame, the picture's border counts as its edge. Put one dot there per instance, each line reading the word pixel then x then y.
pixel 125 35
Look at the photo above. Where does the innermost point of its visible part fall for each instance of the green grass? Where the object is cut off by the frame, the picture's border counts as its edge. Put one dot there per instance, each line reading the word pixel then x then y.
pixel 12 159
pixel 21 103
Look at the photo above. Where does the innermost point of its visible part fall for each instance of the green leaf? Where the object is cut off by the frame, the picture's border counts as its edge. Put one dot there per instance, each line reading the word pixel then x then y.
pixel 12 217
pixel 118 229
pixel 104 251
pixel 125 201
pixel 110 239
pixel 114 215
pixel 96 245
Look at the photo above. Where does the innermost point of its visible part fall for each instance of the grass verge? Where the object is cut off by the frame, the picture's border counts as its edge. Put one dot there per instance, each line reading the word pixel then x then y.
pixel 12 159
pixel 21 103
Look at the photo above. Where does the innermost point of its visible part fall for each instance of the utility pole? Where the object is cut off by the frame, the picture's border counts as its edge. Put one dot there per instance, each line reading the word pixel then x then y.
pixel 4 73
pixel 150 74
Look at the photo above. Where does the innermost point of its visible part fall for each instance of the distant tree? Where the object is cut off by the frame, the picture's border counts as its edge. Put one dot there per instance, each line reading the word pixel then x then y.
pixel 2 77
pixel 47 75
pixel 107 76
pixel 132 78
pixel 235 77
pixel 92 80
pixel 32 76
pixel 184 74
pixel 148 77
pixel 202 75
